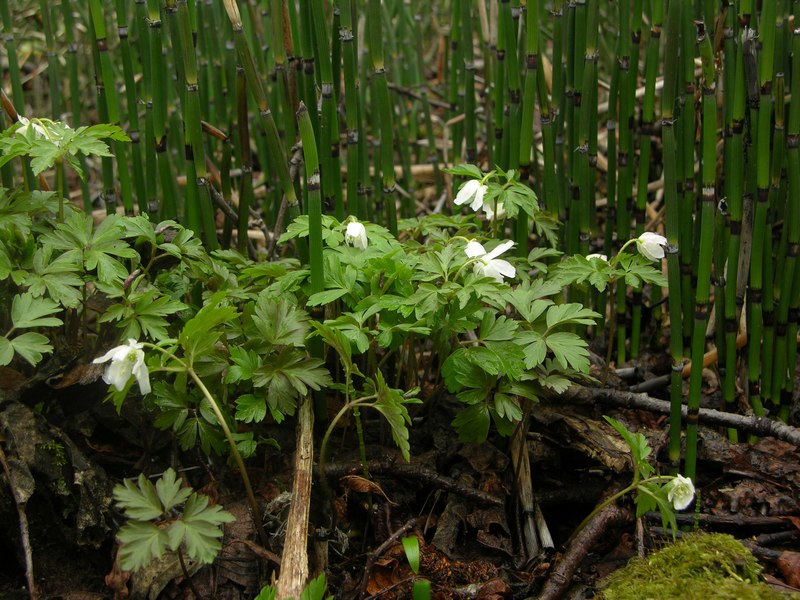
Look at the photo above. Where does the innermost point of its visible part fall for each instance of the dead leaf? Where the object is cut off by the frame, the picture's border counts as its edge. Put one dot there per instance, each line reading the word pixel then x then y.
pixel 363 485
pixel 789 564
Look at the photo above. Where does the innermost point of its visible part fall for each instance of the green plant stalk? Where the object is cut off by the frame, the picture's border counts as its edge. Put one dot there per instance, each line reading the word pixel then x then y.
pixel 276 149
pixel 789 267
pixel 74 90
pixel 237 457
pixel 470 126
pixel 689 237
pixel 735 193
pixel 329 131
pixel 558 101
pixel 673 224
pixel 246 195
pixel 646 144
pixel 156 90
pixel 755 294
pixel 422 89
pixel 499 89
pixel 105 77
pixel 380 88
pixel 195 151
pixel 702 293
pixel 455 87
pixel 132 103
pixel 514 113
pixel 625 166
pixel 351 100
pixel 17 95
pixel 53 64
pixel 314 208
pixel 585 98
pixel 571 192
pixel 283 50
pixel 774 211
pixel 106 162
pixel 529 88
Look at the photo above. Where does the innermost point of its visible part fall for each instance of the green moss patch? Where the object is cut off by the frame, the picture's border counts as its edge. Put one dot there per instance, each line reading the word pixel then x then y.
pixel 697 566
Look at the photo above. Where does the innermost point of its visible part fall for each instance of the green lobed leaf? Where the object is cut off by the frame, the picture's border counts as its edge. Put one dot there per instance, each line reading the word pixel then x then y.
pixel 27 311
pixel 169 490
pixel 570 350
pixel 201 528
pixel 138 499
pixel 31 346
pixel 141 543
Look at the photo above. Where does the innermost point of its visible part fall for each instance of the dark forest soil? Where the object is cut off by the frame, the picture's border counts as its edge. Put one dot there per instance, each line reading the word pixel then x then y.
pixel 66 449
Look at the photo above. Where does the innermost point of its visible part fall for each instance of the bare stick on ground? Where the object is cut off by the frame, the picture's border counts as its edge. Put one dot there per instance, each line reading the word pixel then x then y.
pixel 23 527
pixel 294 561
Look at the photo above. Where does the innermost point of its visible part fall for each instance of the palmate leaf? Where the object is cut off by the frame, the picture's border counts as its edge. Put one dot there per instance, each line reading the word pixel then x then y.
pixel 141 543
pixel 570 313
pixel 287 376
pixel 203 330
pixel 279 322
pixel 27 311
pixel 169 490
pixel 58 277
pixel 497 329
pixel 250 408
pixel 30 346
pixel 570 350
pixel 199 528
pixel 139 499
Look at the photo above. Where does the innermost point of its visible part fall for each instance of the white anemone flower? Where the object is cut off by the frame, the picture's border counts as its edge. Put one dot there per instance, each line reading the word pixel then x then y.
pixel 126 360
pixel 471 192
pixel 356 235
pixel 602 257
pixel 38 130
pixel 488 265
pixel 681 492
pixel 651 245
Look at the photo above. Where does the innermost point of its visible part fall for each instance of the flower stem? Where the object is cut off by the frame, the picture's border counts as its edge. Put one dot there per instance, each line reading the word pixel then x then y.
pixel 251 499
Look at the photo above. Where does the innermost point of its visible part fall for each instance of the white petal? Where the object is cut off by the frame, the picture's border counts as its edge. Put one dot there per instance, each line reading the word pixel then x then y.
pixel 467 191
pixel 503 267
pixel 477 202
pixel 356 235
pixel 474 249
pixel 142 375
pixel 602 257
pixel 106 357
pixel 118 373
pixel 499 249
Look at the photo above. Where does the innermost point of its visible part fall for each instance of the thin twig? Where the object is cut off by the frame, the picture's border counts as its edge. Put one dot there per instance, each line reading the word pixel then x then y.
pixel 378 552
pixel 23 528
pixel 186 575
pixel 760 426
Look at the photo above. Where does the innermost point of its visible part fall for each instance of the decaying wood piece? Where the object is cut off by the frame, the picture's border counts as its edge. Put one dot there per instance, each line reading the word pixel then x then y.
pixel 760 426
pixel 597 440
pixel 294 561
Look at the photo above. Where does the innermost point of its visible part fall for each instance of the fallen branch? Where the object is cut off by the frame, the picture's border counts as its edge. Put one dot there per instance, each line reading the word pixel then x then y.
pixel 417 472
pixel 760 426
pixel 561 576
